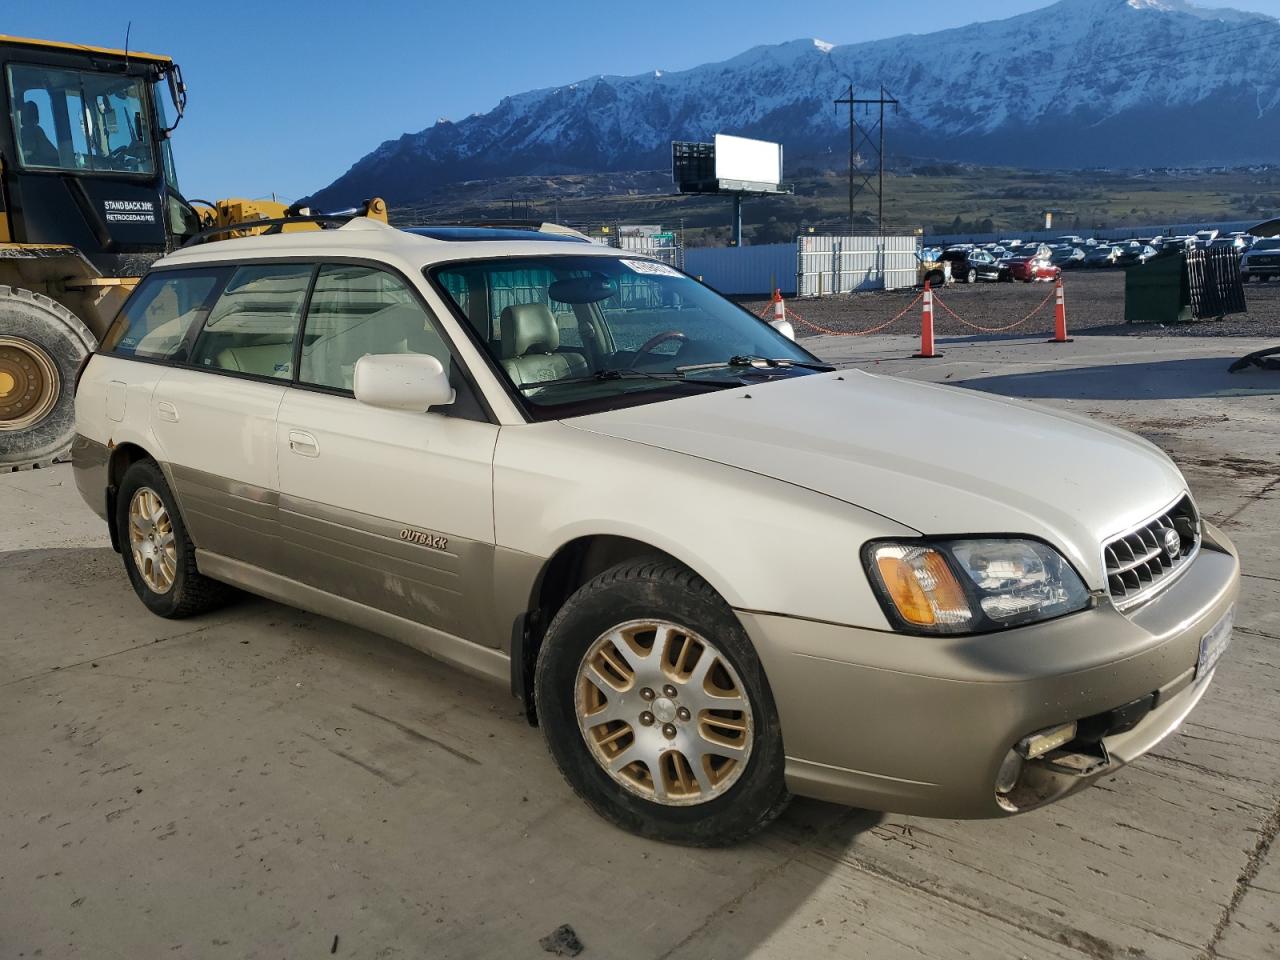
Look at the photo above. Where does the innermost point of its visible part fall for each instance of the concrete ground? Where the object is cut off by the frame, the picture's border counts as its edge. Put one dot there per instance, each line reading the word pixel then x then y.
pixel 266 783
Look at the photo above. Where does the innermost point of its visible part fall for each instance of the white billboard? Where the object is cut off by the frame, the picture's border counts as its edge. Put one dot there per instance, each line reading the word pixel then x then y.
pixel 755 161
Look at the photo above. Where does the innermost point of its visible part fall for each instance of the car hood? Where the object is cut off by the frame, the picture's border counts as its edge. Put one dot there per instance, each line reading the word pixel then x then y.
pixel 938 459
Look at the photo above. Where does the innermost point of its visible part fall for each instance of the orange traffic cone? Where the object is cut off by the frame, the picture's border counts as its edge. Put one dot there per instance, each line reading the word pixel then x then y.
pixel 1060 318
pixel 926 326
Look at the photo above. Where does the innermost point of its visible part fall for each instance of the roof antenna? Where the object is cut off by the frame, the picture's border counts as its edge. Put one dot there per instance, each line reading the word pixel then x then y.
pixel 127 30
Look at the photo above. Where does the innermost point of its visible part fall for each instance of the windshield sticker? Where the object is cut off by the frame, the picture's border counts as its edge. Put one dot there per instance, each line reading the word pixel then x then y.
pixel 653 268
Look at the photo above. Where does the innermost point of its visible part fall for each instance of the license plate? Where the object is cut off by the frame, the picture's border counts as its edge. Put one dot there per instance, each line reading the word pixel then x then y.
pixel 1214 643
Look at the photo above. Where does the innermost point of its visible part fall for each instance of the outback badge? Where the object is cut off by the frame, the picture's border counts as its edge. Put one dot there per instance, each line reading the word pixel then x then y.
pixel 422 539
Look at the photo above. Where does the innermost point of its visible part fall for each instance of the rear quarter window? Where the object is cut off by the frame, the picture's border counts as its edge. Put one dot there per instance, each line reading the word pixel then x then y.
pixel 160 318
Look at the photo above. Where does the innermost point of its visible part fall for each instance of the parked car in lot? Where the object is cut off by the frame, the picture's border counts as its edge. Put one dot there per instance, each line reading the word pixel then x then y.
pixel 1237 244
pixel 1134 252
pixel 931 268
pixel 717 571
pixel 1028 269
pixel 1101 256
pixel 970 266
pixel 1066 257
pixel 1262 260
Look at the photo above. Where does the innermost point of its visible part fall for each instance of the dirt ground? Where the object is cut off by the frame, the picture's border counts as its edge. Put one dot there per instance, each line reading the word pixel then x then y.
pixel 1095 305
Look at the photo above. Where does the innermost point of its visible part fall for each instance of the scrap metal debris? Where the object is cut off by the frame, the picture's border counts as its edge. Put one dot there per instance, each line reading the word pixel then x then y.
pixel 562 941
pixel 1268 359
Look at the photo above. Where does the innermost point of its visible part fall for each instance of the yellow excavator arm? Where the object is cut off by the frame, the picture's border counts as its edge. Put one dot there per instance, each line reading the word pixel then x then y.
pixel 237 211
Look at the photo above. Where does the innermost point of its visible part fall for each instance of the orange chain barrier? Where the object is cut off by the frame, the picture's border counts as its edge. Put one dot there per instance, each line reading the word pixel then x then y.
pixel 938 300
pixel 768 309
pixel 854 333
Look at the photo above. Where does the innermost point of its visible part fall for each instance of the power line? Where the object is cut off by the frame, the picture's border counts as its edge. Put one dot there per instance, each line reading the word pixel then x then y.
pixel 855 131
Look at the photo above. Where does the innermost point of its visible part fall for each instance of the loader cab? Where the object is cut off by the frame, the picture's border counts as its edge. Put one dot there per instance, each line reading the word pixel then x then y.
pixel 85 153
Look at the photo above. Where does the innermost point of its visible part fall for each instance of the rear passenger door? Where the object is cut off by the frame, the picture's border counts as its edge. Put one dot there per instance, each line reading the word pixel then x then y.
pixel 215 417
pixel 390 509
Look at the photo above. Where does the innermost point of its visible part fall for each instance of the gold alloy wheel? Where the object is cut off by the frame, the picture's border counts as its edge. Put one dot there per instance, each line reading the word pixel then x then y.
pixel 29 384
pixel 155 553
pixel 663 712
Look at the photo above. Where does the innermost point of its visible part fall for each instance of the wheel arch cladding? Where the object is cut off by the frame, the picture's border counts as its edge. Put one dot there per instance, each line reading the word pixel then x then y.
pixel 123 456
pixel 574 564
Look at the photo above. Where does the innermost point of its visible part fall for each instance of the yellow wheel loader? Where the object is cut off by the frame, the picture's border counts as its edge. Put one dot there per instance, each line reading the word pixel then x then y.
pixel 88 200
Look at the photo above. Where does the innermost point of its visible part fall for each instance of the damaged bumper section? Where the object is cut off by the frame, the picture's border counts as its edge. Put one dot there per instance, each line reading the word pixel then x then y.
pixel 991 725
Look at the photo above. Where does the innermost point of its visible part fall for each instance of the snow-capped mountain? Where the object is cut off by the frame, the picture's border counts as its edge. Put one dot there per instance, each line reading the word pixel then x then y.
pixel 1078 83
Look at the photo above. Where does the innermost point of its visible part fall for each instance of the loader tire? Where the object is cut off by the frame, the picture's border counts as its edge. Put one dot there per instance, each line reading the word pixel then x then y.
pixel 42 346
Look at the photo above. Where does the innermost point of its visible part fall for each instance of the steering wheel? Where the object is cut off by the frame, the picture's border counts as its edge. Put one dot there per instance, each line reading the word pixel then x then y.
pixel 655 341
pixel 126 153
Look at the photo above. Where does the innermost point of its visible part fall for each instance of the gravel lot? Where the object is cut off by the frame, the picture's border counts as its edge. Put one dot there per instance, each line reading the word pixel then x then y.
pixel 1095 305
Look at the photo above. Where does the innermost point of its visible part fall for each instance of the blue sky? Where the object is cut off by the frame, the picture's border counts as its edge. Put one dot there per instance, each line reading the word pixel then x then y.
pixel 286 95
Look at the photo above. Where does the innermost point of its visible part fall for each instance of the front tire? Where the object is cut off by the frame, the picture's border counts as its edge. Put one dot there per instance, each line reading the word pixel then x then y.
pixel 656 709
pixel 158 554
pixel 42 345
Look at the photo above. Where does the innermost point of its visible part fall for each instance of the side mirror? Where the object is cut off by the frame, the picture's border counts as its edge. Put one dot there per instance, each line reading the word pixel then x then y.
pixel 402 381
pixel 784 327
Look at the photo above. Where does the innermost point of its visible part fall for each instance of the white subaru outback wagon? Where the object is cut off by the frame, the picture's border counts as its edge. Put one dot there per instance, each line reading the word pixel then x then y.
pixel 717 571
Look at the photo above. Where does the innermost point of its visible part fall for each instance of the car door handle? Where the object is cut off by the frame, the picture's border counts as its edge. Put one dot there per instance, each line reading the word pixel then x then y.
pixel 167 411
pixel 303 444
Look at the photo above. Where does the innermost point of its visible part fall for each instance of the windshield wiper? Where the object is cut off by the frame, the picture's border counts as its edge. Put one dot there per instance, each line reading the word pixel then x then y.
pixel 604 376
pixel 758 362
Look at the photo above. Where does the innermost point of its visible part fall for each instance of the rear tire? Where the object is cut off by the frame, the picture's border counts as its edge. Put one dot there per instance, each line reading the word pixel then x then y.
pixel 158 555
pixel 672 609
pixel 971 276
pixel 42 346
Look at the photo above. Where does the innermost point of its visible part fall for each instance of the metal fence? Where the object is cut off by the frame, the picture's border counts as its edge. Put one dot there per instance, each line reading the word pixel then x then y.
pixel 844 264
pixel 661 246
pixel 745 270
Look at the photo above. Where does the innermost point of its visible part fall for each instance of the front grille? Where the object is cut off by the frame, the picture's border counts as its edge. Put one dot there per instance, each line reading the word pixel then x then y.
pixel 1142 561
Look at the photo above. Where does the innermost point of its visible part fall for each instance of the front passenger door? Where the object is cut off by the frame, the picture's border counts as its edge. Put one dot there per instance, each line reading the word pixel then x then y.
pixel 387 508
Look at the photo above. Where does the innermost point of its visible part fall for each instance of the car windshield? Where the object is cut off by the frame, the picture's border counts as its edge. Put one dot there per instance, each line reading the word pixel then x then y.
pixel 80 121
pixel 574 333
pixel 1270 244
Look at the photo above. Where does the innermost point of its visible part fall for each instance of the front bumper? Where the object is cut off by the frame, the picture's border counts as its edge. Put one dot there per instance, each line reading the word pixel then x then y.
pixel 921 725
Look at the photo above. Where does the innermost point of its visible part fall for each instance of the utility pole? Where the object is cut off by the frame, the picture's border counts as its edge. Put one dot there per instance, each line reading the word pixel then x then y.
pixel 857 133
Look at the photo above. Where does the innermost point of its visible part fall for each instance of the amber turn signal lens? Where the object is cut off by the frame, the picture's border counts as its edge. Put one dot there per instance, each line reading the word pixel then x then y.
pixel 922 587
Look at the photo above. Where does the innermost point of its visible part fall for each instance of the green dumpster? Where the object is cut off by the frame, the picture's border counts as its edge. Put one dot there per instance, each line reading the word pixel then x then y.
pixel 1157 291
pixel 1175 287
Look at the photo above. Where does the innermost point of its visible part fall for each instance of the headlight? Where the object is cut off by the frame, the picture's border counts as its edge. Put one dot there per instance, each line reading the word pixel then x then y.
pixel 971 586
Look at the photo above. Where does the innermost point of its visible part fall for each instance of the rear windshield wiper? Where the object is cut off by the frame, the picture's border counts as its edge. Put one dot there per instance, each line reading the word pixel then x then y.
pixel 758 362
pixel 604 376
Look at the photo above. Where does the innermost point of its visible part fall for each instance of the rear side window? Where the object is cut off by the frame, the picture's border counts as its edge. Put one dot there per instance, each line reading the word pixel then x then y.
pixel 252 327
pixel 158 321
pixel 355 311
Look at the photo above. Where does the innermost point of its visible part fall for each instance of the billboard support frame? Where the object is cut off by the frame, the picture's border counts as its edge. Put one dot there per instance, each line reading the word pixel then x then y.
pixel 694 170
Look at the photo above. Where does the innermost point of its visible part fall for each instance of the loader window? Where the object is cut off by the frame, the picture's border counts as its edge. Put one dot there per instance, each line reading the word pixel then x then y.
pixel 80 121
